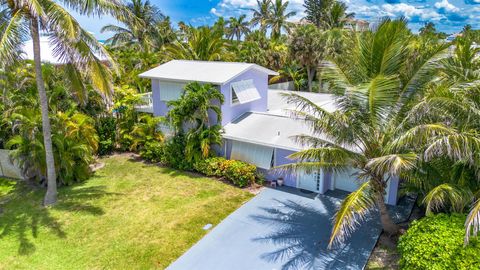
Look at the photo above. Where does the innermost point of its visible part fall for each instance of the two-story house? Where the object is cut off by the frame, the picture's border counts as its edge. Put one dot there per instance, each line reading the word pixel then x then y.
pixel 256 126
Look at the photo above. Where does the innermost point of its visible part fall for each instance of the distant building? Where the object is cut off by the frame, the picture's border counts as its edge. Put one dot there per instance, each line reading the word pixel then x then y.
pixel 357 25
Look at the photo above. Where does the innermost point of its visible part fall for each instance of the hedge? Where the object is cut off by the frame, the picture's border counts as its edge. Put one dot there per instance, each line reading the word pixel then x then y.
pixel 436 242
pixel 239 173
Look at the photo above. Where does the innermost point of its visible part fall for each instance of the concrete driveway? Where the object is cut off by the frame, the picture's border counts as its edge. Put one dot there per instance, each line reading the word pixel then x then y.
pixel 282 229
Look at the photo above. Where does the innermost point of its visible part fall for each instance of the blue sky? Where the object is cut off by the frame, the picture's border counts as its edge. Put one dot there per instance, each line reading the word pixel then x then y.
pixel 448 15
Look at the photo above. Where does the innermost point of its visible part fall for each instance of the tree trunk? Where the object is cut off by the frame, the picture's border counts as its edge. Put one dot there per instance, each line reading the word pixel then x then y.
pixel 51 195
pixel 310 73
pixel 387 223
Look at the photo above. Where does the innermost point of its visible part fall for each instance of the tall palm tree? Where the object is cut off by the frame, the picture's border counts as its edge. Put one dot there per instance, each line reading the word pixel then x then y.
pixel 368 130
pixel 279 18
pixel 338 16
pixel 201 43
pixel 141 27
pixel 237 27
pixel 262 14
pixel 72 44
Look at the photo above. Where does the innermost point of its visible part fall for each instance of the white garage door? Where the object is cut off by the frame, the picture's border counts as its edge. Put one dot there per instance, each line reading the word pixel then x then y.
pixel 258 155
pixel 346 180
pixel 310 181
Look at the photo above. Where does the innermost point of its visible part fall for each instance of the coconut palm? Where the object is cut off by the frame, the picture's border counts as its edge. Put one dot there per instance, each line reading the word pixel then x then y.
pixel 338 15
pixel 201 43
pixel 75 46
pixel 368 132
pixel 278 20
pixel 237 27
pixel 262 14
pixel 141 27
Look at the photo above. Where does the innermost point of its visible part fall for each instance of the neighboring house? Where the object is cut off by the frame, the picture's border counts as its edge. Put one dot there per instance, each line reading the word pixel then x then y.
pixel 257 128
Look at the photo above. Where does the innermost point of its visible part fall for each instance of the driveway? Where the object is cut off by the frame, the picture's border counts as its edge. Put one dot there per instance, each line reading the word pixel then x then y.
pixel 283 229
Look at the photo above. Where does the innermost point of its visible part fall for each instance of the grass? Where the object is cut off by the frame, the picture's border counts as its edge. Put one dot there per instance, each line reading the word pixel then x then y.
pixel 128 216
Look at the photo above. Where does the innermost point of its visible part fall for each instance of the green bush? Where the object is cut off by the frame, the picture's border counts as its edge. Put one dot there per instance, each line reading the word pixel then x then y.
pixel 105 127
pixel 437 243
pixel 174 154
pixel 240 173
pixel 152 151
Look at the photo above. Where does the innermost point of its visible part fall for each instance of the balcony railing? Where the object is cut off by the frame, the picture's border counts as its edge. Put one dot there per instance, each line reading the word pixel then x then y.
pixel 146 103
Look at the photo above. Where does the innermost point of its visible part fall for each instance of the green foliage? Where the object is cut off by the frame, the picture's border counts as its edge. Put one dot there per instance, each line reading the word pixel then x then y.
pixel 174 153
pixel 437 243
pixel 239 173
pixel 106 130
pixel 153 151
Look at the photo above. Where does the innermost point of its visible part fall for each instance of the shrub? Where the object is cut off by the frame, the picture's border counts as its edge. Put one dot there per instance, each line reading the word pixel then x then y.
pixel 437 243
pixel 152 151
pixel 105 127
pixel 240 173
pixel 174 154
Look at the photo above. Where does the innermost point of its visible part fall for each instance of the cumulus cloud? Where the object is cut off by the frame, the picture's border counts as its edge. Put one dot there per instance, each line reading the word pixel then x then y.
pixel 412 13
pixel 445 6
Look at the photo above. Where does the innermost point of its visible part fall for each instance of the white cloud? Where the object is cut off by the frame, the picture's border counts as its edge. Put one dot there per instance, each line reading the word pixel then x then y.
pixel 445 5
pixel 411 12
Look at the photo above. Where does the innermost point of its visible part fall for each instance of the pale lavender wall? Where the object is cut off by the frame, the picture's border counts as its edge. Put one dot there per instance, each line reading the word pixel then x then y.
pixel 159 107
pixel 231 112
pixel 392 194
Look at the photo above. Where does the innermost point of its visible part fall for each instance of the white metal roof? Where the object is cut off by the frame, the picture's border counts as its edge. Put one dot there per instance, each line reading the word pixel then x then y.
pixel 267 129
pixel 279 106
pixel 201 71
pixel 275 128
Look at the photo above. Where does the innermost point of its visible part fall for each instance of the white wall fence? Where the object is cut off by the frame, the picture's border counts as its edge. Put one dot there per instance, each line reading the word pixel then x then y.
pixel 8 168
pixel 282 86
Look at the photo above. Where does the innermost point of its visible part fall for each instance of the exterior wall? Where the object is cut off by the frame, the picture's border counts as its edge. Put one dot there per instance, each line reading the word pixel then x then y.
pixel 231 112
pixel 282 86
pixel 159 107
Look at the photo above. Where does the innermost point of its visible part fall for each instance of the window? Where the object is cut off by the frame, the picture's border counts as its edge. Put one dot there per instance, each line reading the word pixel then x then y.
pixel 258 155
pixel 234 98
pixel 244 92
pixel 171 90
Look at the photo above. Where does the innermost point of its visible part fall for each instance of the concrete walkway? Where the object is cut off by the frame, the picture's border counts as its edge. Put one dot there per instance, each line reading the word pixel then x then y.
pixel 283 229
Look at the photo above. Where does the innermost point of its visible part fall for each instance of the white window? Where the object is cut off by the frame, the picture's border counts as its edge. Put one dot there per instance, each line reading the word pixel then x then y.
pixel 171 90
pixel 244 92
pixel 258 155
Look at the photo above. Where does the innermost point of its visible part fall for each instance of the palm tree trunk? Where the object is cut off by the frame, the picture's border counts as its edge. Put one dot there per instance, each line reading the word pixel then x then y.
pixel 51 195
pixel 310 73
pixel 387 223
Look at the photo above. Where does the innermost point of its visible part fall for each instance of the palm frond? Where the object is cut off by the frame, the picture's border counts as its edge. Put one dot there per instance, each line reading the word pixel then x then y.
pixel 353 210
pixel 393 164
pixel 13 31
pixel 472 223
pixel 447 194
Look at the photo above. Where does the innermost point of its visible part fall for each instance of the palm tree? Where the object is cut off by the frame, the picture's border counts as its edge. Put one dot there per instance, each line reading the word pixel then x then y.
pixel 338 15
pixel 237 27
pixel 192 114
pixel 368 131
pixel 202 43
pixel 72 44
pixel 141 27
pixel 279 18
pixel 262 14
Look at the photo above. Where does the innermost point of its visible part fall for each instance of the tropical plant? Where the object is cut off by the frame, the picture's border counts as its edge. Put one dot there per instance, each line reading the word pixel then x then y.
pixel 78 48
pixel 203 43
pixel 294 73
pixel 278 19
pixel 145 131
pixel 261 15
pixel 237 27
pixel 367 131
pixel 141 26
pixel 327 14
pixel 306 46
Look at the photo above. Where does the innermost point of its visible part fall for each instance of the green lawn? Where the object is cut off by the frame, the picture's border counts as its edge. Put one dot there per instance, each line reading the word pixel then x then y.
pixel 128 216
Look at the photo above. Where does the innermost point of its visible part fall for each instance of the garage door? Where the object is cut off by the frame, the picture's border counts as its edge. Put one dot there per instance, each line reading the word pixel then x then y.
pixel 310 181
pixel 346 180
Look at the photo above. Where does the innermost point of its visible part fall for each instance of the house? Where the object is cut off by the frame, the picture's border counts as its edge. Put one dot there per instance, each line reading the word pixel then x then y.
pixel 256 126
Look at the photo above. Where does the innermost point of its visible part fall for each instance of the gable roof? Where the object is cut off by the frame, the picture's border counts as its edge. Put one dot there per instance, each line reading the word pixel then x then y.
pixel 202 71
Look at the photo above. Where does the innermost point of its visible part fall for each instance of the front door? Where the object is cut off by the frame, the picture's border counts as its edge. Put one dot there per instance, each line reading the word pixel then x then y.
pixel 310 181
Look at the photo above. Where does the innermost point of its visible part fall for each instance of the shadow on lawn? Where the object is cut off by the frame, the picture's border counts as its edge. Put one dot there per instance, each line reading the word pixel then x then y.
pixel 23 214
pixel 300 236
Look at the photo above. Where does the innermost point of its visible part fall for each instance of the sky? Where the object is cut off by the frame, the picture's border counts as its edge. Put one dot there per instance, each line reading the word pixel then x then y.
pixel 448 15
